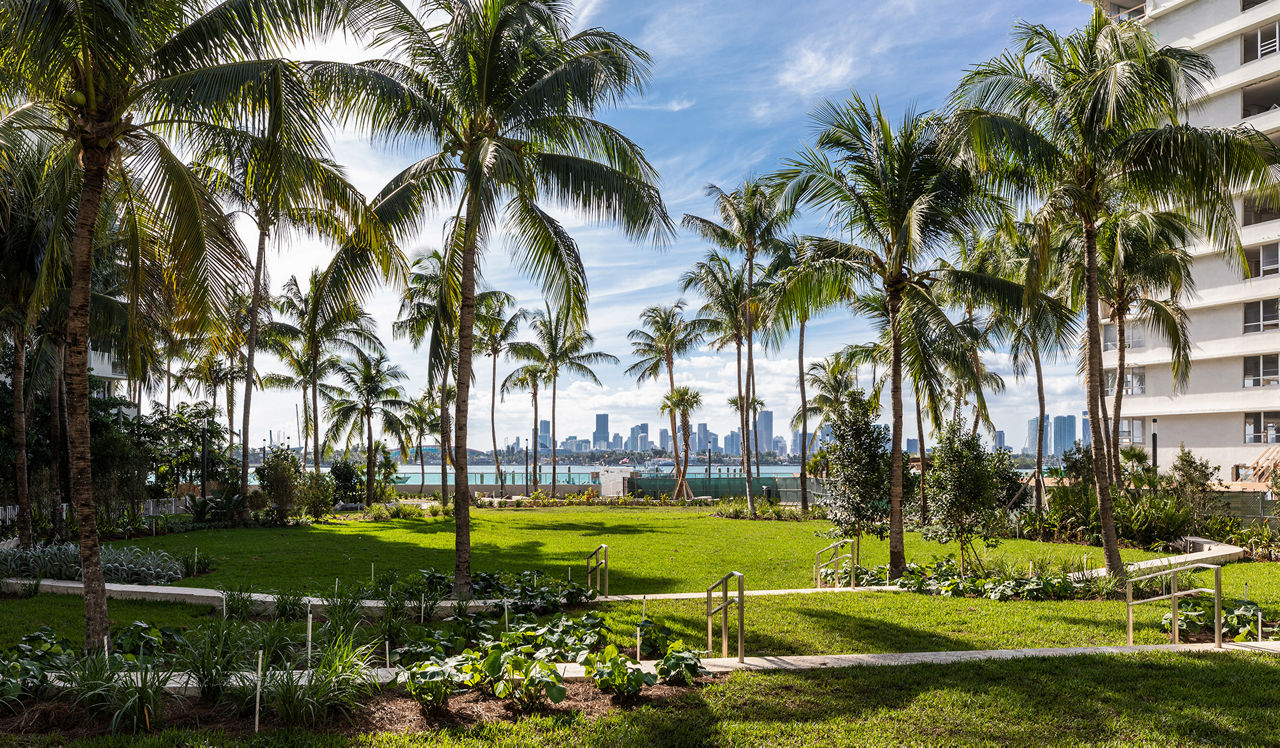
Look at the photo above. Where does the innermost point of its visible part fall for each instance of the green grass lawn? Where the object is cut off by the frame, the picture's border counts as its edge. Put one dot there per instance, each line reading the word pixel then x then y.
pixel 1147 699
pixel 651 550
pixel 65 615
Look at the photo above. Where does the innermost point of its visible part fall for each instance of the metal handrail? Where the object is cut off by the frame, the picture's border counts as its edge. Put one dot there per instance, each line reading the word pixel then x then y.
pixel 723 609
pixel 1173 596
pixel 819 564
pixel 600 561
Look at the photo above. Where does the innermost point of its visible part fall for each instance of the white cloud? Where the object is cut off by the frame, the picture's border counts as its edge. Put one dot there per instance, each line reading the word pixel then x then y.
pixel 813 68
pixel 677 104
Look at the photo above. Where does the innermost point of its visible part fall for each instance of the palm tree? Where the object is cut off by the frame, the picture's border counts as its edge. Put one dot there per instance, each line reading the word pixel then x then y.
pixel 508 93
pixel 560 348
pixel 833 382
pixel 902 192
pixel 495 330
pixel 326 324
pixel 1144 274
pixel 369 392
pixel 752 223
pixel 669 335
pixel 113 79
pixel 1093 122
pixel 797 293
pixel 527 378
pixel 682 401
pixel 724 287
pixel 421 420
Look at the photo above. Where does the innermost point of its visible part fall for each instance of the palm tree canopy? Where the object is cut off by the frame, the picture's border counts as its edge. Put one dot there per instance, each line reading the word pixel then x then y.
pixel 667 335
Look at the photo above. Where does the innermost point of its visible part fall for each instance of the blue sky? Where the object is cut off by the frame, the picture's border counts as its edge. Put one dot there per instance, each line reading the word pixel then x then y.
pixel 731 91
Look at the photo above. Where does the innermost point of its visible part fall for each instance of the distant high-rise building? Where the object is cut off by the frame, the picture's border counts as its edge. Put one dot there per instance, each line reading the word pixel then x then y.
pixel 780 446
pixel 664 440
pixel 701 439
pixel 733 443
pixel 1030 447
pixel 913 446
pixel 616 442
pixel 764 422
pixel 999 440
pixel 1085 435
pixel 600 437
pixel 638 441
pixel 1064 434
pixel 544 433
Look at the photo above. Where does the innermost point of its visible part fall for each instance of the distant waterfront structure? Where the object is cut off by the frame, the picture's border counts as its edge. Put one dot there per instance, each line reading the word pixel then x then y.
pixel 764 423
pixel 780 446
pixel 664 440
pixel 544 434
pixel 1064 434
pixel 1030 447
pixel 999 440
pixel 600 437
pixel 733 443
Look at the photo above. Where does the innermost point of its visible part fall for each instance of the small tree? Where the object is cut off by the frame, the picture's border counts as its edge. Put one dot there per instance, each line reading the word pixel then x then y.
pixel 964 491
pixel 857 462
pixel 1195 481
pixel 315 495
pixel 278 477
pixel 348 482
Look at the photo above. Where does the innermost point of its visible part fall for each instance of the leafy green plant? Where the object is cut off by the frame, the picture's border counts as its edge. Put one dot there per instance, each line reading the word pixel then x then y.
pixel 432 683
pixel 237 602
pixel 680 666
pixel 136 698
pixel 290 605
pixel 343 611
pixel 44 648
pixel 142 642
pixel 616 674
pixel 211 656
pixel 120 564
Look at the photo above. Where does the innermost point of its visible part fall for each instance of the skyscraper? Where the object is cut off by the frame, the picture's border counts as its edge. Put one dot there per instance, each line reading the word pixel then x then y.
pixel 733 443
pixel 1030 447
pixel 912 446
pixel 999 440
pixel 664 440
pixel 1086 436
pixel 764 422
pixel 701 439
pixel 544 433
pixel 1064 434
pixel 600 437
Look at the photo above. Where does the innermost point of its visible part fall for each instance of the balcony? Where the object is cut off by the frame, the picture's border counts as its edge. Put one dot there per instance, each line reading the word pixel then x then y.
pixel 1125 11
pixel 1261 42
pixel 1260 98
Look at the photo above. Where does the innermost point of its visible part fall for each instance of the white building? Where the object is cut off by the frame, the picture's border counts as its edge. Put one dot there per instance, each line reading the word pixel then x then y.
pixel 1230 410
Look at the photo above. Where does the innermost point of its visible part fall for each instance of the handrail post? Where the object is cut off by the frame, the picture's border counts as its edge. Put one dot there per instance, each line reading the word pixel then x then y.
pixel 606 571
pixel 1128 597
pixel 1173 596
pixel 1217 607
pixel 741 614
pixel 724 619
pixel 709 636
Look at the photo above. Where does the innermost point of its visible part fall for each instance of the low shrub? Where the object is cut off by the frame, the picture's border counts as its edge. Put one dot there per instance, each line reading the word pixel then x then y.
pixel 616 674
pixel 680 666
pixel 432 683
pixel 123 565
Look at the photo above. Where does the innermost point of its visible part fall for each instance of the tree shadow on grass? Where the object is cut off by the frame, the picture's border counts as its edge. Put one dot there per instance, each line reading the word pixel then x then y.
pixel 869 634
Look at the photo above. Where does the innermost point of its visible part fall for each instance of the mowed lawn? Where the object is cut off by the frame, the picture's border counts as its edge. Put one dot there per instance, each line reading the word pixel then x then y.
pixel 1153 699
pixel 651 550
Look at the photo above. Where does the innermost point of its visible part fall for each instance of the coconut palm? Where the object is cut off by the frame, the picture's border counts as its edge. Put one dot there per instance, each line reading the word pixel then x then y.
pixel 421 420
pixel 495 331
pixel 559 348
pixel 681 402
pixel 832 381
pixel 724 287
pixel 796 293
pixel 668 335
pixel 508 93
pixel 901 192
pixel 113 79
pixel 368 392
pixel 751 222
pixel 527 378
pixel 1093 121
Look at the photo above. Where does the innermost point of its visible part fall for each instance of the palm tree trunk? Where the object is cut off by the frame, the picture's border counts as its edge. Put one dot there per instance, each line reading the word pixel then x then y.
pixel 493 428
pixel 897 549
pixel 924 502
pixel 684 422
pixel 61 478
pixel 742 430
pixel 1119 395
pixel 682 487
pixel 1093 389
pixel 251 347
pixel 422 466
pixel 168 385
pixel 749 404
pixel 804 429
pixel 536 436
pixel 306 418
pixel 94 160
pixel 20 434
pixel 369 461
pixel 445 427
pixel 466 344
pixel 1039 477
pixel 554 478
pixel 315 418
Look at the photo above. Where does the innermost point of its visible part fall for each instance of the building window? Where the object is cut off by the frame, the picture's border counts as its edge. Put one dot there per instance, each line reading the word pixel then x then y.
pixel 1262 428
pixel 1131 430
pixel 1134 337
pixel 1135 381
pixel 1263 315
pixel 1257 211
pixel 1264 260
pixel 1247 4
pixel 1262 371
pixel 1261 42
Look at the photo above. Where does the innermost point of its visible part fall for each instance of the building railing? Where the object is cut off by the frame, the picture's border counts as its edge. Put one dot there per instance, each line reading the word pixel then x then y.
pixel 1174 595
pixel 723 610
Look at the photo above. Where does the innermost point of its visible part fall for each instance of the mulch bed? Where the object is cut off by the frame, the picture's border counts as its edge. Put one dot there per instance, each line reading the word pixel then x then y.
pixel 391 711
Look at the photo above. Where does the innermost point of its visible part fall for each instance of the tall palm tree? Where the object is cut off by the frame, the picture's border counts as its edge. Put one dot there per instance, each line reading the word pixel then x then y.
pixel 751 222
pixel 559 348
pixel 795 293
pixel 495 331
pixel 508 92
pixel 527 378
pixel 114 79
pixel 833 382
pixel 421 420
pixel 724 287
pixel 1093 120
pixel 369 392
pixel 668 335
pixel 901 192
pixel 682 401
pixel 325 324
